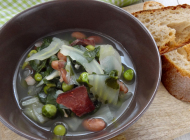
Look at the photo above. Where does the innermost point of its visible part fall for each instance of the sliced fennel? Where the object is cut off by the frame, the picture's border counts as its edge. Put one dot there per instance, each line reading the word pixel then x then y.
pixel 108 50
pixel 30 101
pixel 54 74
pixel 52 49
pixel 110 63
pixel 77 55
pixel 101 90
pixel 110 59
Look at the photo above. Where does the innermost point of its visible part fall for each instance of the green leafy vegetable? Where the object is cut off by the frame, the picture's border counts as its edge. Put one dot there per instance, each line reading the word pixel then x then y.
pixel 112 82
pixel 90 55
pixel 77 47
pixel 52 58
pixel 51 96
pixel 42 97
pixel 34 64
pixel 41 66
pixel 45 44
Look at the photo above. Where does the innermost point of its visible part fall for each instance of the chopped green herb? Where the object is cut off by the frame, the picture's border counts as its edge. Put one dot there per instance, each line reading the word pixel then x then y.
pixel 90 55
pixel 112 82
pixel 45 44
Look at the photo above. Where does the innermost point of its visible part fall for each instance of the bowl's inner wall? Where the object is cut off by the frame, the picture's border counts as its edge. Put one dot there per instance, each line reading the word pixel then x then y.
pixel 23 30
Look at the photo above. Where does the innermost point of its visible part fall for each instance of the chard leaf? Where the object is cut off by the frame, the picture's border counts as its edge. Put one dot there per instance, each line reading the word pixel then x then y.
pixel 90 55
pixel 45 44
pixel 51 96
pixel 34 64
pixel 41 66
pixel 113 73
pixel 77 47
pixel 112 82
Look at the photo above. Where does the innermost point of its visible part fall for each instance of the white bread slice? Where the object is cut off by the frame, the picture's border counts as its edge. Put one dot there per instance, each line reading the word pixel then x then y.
pixel 170 26
pixel 176 72
pixel 152 5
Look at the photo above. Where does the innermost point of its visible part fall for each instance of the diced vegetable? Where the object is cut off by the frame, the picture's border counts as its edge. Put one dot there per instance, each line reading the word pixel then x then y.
pixel 52 49
pixel 101 90
pixel 77 55
pixel 30 80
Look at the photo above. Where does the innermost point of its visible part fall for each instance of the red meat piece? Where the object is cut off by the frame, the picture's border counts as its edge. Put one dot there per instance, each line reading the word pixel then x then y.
pixel 77 100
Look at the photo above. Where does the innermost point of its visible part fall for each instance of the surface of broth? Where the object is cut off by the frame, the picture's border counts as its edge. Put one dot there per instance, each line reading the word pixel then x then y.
pixel 75 127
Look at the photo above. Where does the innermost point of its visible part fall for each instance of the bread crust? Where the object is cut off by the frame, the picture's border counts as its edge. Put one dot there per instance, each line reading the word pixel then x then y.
pixel 172 43
pixel 152 5
pixel 175 80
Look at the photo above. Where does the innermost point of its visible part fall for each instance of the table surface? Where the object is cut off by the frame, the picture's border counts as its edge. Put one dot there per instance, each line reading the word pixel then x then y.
pixel 166 118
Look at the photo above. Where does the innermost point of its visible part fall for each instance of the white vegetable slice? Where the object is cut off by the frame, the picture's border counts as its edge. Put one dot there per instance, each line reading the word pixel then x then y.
pixel 37 109
pixel 29 112
pixel 110 63
pixel 52 49
pixel 30 101
pixel 100 89
pixel 54 74
pixel 110 59
pixel 108 50
pixel 77 55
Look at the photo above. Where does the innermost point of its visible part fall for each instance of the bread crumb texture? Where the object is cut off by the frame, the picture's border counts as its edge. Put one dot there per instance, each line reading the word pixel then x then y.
pixel 152 5
pixel 176 72
pixel 170 26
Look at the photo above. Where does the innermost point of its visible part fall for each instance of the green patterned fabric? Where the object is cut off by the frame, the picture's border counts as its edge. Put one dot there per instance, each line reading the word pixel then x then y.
pixel 9 8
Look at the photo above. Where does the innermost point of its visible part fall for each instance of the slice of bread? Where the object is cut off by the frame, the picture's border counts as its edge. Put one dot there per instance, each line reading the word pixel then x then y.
pixel 170 26
pixel 152 5
pixel 176 72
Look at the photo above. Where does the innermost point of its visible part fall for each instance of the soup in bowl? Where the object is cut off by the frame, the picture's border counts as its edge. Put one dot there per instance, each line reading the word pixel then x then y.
pixel 86 68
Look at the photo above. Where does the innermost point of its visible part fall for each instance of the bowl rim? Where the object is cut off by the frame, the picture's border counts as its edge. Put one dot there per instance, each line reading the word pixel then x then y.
pixel 121 129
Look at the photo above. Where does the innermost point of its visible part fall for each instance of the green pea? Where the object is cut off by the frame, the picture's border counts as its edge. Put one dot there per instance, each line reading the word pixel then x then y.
pixel 128 74
pixel 46 88
pixel 49 110
pixel 123 68
pixel 83 78
pixel 38 77
pixel 66 87
pixel 31 53
pixel 90 47
pixel 59 130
